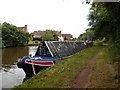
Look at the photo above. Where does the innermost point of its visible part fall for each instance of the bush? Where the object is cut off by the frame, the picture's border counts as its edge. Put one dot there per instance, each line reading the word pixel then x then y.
pixel 114 47
pixel 100 42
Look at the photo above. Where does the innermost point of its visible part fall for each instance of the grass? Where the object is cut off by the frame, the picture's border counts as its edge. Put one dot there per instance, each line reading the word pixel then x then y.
pixel 62 74
pixel 103 73
pixel 33 42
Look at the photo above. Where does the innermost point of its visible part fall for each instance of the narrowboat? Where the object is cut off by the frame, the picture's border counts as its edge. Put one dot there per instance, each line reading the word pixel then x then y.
pixel 48 53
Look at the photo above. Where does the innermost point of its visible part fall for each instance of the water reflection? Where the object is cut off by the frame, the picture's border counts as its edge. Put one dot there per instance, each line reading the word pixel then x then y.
pixel 10 74
pixel 10 55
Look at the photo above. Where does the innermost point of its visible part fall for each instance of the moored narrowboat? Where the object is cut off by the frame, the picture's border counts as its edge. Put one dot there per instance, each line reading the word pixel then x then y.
pixel 48 53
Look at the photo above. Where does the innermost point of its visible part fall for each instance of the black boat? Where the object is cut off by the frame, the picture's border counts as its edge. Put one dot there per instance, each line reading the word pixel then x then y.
pixel 49 53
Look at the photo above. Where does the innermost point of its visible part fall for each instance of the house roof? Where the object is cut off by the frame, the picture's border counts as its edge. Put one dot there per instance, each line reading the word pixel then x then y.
pixel 20 28
pixel 66 35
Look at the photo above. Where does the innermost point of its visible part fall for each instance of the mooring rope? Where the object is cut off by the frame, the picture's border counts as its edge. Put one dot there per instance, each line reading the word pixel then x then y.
pixel 32 65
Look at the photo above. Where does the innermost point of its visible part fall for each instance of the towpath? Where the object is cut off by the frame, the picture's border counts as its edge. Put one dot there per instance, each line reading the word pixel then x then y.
pixel 82 79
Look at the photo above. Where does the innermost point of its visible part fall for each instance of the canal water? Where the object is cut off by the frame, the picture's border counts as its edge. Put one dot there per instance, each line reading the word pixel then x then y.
pixel 10 74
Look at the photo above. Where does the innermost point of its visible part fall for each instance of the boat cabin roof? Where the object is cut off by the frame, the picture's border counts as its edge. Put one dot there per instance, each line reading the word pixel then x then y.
pixel 59 49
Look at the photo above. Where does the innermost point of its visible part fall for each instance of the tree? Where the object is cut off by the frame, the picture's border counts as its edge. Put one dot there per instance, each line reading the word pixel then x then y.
pixel 104 19
pixel 11 36
pixel 50 35
pixel 88 35
pixel 47 37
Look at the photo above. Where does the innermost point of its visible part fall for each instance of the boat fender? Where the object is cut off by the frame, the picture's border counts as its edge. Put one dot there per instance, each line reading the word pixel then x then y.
pixel 21 64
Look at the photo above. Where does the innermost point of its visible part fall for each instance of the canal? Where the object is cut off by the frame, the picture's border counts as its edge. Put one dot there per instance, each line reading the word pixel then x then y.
pixel 10 74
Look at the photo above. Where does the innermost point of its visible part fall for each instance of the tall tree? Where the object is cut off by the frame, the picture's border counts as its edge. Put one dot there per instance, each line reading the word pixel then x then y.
pixel 50 35
pixel 11 36
pixel 88 35
pixel 104 19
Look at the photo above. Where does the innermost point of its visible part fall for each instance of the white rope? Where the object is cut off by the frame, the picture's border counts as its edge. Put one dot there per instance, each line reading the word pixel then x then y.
pixel 33 67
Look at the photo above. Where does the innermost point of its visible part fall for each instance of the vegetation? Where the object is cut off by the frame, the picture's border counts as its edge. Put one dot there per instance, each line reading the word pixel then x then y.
pixel 88 35
pixel 39 39
pixel 103 74
pixel 33 43
pixel 62 74
pixel 11 36
pixel 104 28
pixel 104 22
pixel 100 42
pixel 50 35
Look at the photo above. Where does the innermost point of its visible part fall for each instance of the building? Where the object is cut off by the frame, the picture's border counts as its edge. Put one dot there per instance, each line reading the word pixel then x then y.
pixel 67 36
pixel 62 37
pixel 23 28
pixel 38 34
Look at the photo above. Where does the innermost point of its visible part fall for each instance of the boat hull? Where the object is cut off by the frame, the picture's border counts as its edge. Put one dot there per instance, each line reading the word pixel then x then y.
pixel 29 70
pixel 35 64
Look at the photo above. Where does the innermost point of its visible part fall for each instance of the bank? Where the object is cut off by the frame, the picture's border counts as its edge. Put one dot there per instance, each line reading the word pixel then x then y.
pixel 33 43
pixel 62 74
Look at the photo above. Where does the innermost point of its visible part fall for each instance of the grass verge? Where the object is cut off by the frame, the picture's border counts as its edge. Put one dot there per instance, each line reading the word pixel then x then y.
pixel 62 74
pixel 103 73
pixel 33 43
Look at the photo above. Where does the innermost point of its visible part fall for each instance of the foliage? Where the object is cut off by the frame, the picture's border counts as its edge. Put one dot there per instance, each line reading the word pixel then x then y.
pixel 88 35
pixel 114 47
pixel 36 39
pixel 104 21
pixel 33 43
pixel 100 20
pixel 30 37
pixel 50 35
pixel 100 42
pixel 47 37
pixel 11 36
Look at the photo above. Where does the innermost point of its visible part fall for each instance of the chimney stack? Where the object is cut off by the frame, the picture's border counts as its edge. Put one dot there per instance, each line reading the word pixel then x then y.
pixel 25 28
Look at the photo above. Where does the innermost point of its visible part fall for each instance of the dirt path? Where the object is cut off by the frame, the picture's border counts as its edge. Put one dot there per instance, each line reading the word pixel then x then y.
pixel 82 79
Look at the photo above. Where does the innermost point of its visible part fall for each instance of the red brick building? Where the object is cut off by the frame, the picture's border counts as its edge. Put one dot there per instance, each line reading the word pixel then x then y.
pixel 23 28
pixel 67 36
pixel 62 37
pixel 38 34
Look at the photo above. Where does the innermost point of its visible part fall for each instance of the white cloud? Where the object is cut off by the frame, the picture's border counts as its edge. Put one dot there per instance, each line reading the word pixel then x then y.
pixel 66 15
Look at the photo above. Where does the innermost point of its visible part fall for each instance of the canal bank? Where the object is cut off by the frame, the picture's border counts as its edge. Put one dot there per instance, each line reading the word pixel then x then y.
pixel 62 74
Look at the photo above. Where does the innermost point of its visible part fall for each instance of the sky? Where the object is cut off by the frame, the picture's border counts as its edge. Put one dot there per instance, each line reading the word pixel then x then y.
pixel 69 16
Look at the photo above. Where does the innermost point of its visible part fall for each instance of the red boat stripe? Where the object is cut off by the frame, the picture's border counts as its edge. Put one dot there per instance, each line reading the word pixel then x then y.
pixel 41 63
